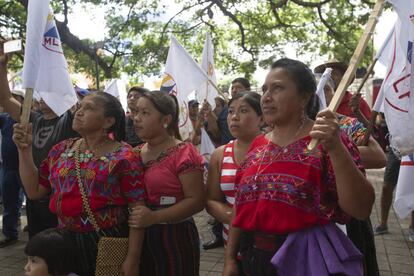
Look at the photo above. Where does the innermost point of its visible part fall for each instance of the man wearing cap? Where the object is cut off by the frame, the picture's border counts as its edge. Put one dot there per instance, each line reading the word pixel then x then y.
pixel 11 184
pixel 351 105
pixel 48 130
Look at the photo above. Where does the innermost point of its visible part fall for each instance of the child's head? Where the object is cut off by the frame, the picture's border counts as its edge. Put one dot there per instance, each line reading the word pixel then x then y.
pixel 50 252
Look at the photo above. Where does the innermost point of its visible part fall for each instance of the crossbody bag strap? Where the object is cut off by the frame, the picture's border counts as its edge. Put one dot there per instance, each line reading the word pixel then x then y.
pixel 85 202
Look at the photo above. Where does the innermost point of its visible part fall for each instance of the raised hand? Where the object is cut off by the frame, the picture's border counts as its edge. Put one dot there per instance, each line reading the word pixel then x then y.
pixel 22 136
pixel 326 129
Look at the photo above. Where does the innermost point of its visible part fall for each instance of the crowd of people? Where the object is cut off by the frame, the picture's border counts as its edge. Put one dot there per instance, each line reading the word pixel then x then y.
pixel 276 206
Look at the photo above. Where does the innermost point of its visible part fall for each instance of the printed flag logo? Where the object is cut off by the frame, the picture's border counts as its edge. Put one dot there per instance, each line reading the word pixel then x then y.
pixel 51 39
pixel 168 85
pixel 399 100
pixel 210 70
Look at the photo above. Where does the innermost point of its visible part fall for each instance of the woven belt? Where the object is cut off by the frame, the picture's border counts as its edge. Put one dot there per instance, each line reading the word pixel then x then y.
pixel 154 208
pixel 268 242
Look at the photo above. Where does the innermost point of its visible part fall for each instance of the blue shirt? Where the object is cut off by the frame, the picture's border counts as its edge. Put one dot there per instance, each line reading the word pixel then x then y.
pixel 226 136
pixel 8 148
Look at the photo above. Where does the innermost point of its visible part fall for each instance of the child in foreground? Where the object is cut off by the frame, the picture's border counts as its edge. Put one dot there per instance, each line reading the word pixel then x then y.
pixel 50 253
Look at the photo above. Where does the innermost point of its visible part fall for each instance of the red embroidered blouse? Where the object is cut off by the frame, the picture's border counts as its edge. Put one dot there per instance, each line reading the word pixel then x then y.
pixel 283 190
pixel 111 181
pixel 161 180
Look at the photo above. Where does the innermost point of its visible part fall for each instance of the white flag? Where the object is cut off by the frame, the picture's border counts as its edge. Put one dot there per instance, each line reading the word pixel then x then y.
pixel 404 195
pixel 117 88
pixel 207 91
pixel 45 68
pixel 207 147
pixel 385 52
pixel 399 82
pixel 320 90
pixel 384 55
pixel 379 102
pixel 182 76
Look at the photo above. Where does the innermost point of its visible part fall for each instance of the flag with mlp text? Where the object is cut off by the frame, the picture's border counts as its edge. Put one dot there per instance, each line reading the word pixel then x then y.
pixel 398 101
pixel 182 76
pixel 45 68
pixel 207 91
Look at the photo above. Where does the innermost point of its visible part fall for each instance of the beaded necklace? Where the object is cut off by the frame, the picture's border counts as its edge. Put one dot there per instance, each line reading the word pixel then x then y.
pixel 88 154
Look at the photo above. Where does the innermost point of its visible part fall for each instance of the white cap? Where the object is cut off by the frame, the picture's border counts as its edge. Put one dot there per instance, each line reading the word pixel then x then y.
pixel 18 92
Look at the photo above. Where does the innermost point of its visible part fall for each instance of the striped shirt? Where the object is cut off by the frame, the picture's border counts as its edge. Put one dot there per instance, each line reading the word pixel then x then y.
pixel 228 174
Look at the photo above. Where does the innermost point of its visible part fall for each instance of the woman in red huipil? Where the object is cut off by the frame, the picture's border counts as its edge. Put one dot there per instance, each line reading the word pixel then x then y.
pixel 287 197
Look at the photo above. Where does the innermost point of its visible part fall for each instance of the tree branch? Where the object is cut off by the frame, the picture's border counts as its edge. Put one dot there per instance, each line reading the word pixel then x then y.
pixel 279 4
pixel 76 44
pixel 331 32
pixel 274 7
pixel 79 46
pixel 310 4
pixel 239 24
pixel 164 29
pixel 65 11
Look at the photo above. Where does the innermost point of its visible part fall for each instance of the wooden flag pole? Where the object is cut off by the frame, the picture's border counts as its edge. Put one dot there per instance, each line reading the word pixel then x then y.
pixel 364 80
pixel 370 128
pixel 218 89
pixel 27 106
pixel 355 60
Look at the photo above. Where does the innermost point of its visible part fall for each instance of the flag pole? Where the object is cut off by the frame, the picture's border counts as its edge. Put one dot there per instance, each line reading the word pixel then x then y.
pixel 208 67
pixel 374 113
pixel 27 106
pixel 366 76
pixel 355 60
pixel 376 58
pixel 218 89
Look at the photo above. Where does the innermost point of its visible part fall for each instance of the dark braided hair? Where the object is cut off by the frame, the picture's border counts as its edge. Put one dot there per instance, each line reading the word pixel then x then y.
pixel 167 105
pixel 113 108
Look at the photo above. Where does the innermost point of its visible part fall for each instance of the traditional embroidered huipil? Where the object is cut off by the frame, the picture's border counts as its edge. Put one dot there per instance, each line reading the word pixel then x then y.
pixel 286 189
pixel 111 181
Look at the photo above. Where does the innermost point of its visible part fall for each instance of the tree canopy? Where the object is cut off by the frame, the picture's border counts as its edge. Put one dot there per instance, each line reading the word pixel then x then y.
pixel 246 33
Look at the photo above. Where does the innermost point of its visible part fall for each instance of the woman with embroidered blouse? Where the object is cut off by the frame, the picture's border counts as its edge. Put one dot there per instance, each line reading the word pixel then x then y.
pixel 111 174
pixel 288 198
pixel 174 184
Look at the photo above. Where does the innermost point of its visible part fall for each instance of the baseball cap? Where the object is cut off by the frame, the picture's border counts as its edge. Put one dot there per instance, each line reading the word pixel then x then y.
pixel 18 92
pixel 193 102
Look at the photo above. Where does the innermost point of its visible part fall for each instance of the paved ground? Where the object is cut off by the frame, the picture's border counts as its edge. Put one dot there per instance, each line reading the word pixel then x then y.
pixel 395 253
